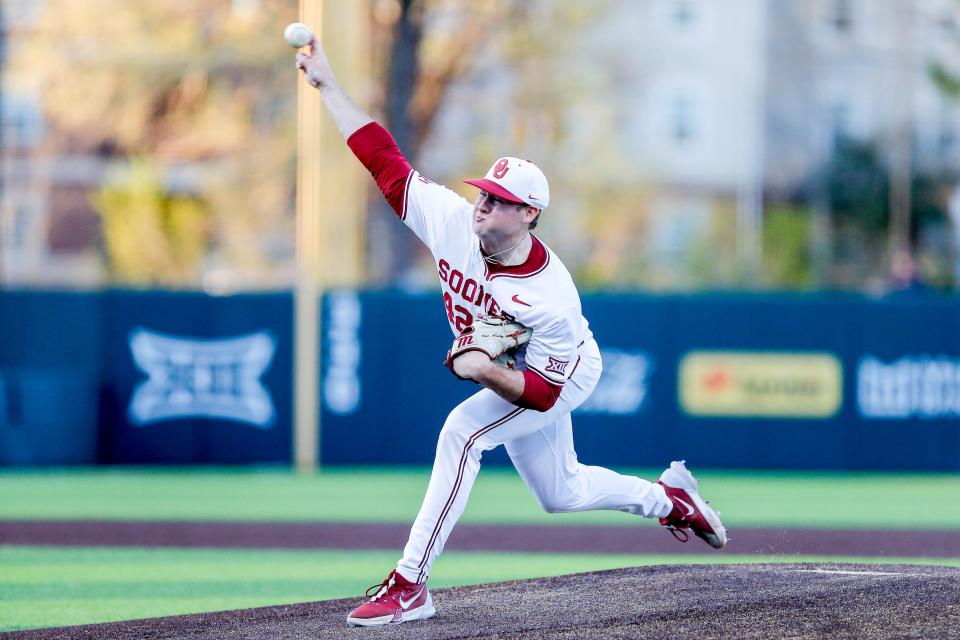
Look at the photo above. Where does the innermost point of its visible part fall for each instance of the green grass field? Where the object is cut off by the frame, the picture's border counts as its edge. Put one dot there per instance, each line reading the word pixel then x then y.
pixel 746 498
pixel 46 586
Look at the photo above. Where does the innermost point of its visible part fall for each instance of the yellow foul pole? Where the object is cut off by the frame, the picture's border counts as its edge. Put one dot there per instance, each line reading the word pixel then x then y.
pixel 330 208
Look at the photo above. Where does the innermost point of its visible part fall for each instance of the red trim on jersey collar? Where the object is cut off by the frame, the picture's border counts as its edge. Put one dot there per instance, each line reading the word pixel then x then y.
pixel 535 263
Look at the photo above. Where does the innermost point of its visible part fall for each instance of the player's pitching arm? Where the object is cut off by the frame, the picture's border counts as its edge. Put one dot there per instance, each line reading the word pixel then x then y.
pixel 348 117
pixel 423 206
pixel 377 150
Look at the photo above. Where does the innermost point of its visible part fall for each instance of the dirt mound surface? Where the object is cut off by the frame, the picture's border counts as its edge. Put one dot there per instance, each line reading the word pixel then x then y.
pixel 700 601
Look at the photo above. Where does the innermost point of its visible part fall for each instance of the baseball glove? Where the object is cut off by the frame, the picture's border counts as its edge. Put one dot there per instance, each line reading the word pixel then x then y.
pixel 497 338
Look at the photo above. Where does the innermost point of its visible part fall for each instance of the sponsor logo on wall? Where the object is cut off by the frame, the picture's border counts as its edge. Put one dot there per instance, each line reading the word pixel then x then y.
pixel 760 384
pixel 341 384
pixel 912 386
pixel 622 389
pixel 196 378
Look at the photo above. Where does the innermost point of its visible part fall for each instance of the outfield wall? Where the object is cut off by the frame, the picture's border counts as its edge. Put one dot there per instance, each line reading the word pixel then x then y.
pixel 814 381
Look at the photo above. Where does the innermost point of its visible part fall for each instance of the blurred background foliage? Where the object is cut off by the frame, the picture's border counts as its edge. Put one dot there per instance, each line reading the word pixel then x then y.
pixel 189 110
pixel 150 234
pixel 192 107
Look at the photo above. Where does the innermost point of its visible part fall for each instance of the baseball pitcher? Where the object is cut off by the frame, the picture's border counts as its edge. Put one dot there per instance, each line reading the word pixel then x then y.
pixel 519 333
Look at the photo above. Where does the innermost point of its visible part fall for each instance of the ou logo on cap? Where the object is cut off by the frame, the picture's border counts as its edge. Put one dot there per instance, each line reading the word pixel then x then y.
pixel 501 168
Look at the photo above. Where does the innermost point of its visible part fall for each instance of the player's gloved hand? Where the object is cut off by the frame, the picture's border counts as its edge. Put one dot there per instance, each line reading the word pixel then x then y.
pixel 497 338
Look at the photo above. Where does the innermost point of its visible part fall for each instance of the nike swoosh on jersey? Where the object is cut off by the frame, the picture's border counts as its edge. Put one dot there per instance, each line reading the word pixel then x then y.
pixel 519 301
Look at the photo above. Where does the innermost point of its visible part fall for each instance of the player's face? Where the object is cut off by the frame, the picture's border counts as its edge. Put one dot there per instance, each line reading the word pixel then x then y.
pixel 494 217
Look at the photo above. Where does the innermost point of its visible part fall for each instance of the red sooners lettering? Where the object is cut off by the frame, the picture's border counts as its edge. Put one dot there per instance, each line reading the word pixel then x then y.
pixel 501 168
pixel 470 290
pixel 467 287
pixel 455 275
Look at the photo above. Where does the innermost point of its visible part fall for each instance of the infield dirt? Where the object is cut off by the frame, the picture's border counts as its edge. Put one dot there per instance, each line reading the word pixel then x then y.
pixel 474 537
pixel 700 601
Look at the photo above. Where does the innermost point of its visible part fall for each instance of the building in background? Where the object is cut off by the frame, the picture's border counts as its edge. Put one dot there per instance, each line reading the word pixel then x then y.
pixel 49 232
pixel 716 108
pixel 668 128
pixel 173 114
pixel 25 249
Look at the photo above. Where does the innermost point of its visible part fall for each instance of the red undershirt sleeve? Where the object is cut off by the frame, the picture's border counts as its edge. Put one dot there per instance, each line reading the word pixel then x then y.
pixel 378 151
pixel 538 394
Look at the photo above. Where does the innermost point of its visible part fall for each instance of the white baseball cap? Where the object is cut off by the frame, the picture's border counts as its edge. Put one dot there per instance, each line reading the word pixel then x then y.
pixel 516 180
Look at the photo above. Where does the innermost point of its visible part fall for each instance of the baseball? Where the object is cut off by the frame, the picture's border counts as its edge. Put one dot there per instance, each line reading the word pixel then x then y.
pixel 297 35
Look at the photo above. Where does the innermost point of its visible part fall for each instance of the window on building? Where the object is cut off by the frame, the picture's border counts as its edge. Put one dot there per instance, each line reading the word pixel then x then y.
pixel 683 14
pixel 838 118
pixel 841 15
pixel 245 9
pixel 21 121
pixel 21 13
pixel 946 141
pixel 946 23
pixel 946 137
pixel 16 226
pixel 21 226
pixel 682 116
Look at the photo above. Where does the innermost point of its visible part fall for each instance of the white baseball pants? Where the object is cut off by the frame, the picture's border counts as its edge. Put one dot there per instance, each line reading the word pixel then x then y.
pixel 540 445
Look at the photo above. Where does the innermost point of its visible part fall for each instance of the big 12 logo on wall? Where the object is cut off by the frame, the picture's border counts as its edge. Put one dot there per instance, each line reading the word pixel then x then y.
pixel 623 388
pixel 197 378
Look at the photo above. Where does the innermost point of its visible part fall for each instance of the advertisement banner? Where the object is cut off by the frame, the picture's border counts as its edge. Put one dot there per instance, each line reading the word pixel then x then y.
pixel 760 384
pixel 743 381
pixel 926 387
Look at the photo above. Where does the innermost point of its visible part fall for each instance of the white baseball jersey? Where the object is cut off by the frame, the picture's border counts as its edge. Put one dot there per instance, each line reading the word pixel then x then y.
pixel 540 294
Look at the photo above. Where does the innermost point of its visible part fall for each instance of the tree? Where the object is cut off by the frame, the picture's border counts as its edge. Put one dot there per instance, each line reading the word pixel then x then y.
pixel 528 50
pixel 859 185
pixel 432 44
pixel 946 76
pixel 202 94
pixel 152 236
pixel 858 182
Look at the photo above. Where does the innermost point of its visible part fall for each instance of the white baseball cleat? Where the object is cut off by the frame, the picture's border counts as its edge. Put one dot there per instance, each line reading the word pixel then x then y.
pixel 690 511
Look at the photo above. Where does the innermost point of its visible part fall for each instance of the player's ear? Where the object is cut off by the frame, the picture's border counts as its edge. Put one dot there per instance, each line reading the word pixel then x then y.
pixel 530 214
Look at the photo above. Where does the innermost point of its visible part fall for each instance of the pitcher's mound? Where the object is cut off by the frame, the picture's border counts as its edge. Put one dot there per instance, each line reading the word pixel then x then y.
pixel 691 601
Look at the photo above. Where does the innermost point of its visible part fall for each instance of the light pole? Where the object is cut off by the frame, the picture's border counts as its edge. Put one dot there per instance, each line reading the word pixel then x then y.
pixel 901 141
